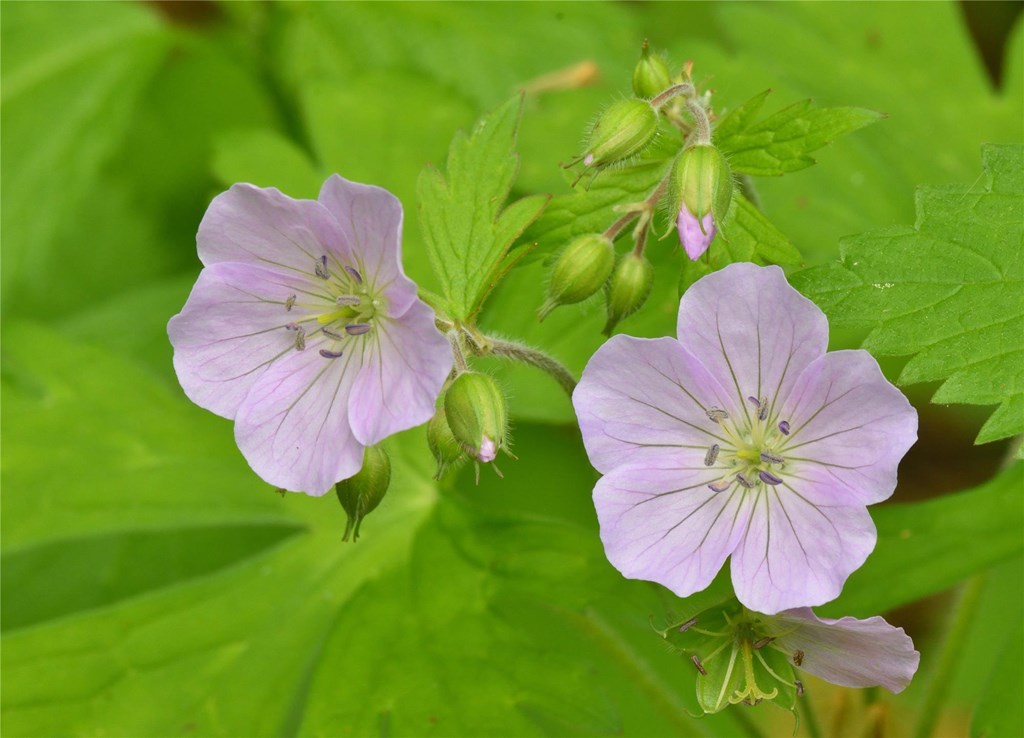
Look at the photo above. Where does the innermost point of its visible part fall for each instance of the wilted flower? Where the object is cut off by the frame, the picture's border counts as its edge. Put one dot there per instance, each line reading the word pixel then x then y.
pixel 742 438
pixel 303 328
pixel 744 656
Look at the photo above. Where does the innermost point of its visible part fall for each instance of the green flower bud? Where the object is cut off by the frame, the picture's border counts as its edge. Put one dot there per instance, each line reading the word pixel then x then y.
pixel 701 182
pixel 623 130
pixel 650 75
pixel 475 409
pixel 628 288
pixel 444 446
pixel 359 495
pixel 580 271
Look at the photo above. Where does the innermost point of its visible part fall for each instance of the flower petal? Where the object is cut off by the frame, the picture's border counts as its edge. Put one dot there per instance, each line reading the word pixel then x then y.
pixel 233 326
pixel 695 235
pixel 848 651
pixel 293 426
pixel 751 330
pixel 644 400
pixel 665 525
pixel 850 428
pixel 795 553
pixel 405 364
pixel 264 227
pixel 370 219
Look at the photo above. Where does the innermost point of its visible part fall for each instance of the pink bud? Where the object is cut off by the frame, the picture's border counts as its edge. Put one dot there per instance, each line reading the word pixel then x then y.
pixel 695 235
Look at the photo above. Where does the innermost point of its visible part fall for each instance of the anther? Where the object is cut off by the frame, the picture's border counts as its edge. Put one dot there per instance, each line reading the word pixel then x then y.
pixel 744 481
pixel 711 456
pixel 758 645
pixel 348 300
pixel 357 329
pixel 320 267
pixel 784 427
pixel 799 687
pixel 762 413
pixel 687 625
pixel 798 657
pixel 300 339
pixel 720 486
pixel 769 458
pixel 330 354
pixel 290 302
pixel 293 326
pixel 336 336
pixel 754 401
pixel 354 273
pixel 699 665
pixel 769 478
pixel 717 414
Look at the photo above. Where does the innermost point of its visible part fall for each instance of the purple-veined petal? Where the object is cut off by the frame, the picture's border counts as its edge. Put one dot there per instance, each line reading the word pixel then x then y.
pixel 752 331
pixel 795 553
pixel 405 363
pixel 370 219
pixel 665 525
pixel 848 651
pixel 646 400
pixel 264 227
pixel 849 430
pixel 233 327
pixel 293 426
pixel 695 234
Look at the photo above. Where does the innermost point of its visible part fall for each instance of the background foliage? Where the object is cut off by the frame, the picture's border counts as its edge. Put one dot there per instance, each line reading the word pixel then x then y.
pixel 153 585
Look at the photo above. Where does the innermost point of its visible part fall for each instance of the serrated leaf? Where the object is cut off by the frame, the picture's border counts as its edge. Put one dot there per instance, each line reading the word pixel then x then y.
pixel 466 233
pixel 926 547
pixel 783 142
pixel 949 291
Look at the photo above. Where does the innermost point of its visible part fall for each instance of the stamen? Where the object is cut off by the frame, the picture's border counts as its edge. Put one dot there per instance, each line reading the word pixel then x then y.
pixel 354 273
pixel 348 300
pixel 762 413
pixel 357 329
pixel 291 326
pixel 717 414
pixel 769 478
pixel 330 354
pixel 754 401
pixel 290 302
pixel 798 657
pixel 769 458
pixel 799 687
pixel 332 334
pixel 758 645
pixel 699 665
pixel 300 339
pixel 744 481
pixel 320 267
pixel 784 427
pixel 687 625
pixel 720 486
pixel 711 455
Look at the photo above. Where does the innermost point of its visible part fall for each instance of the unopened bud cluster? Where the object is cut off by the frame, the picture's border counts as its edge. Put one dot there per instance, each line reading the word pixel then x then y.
pixel 472 422
pixel 700 192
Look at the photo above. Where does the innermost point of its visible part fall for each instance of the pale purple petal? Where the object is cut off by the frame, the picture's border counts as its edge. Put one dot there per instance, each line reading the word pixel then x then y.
pixel 293 426
pixel 642 399
pixel 849 652
pixel 233 326
pixel 849 430
pixel 405 363
pixel 695 234
pixel 796 553
pixel 370 219
pixel 488 451
pixel 665 525
pixel 752 331
pixel 264 227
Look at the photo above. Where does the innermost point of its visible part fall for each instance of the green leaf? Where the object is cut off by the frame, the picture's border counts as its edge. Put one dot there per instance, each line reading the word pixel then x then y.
pixel 949 291
pixel 1000 711
pixel 266 159
pixel 465 229
pixel 926 547
pixel 782 142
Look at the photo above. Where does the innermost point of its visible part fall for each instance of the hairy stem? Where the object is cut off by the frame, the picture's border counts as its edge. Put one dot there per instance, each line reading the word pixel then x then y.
pixel 533 357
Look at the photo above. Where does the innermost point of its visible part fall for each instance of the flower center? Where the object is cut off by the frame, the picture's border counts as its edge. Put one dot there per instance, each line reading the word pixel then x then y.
pixel 348 308
pixel 751 458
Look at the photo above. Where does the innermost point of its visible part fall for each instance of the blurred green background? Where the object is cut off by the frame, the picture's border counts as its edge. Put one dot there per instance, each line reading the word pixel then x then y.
pixel 152 585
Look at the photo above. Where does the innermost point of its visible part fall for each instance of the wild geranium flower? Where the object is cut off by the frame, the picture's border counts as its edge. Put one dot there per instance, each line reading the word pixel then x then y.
pixel 744 656
pixel 304 329
pixel 741 438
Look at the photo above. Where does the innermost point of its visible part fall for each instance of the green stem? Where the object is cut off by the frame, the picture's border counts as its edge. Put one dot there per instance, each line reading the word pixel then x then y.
pixel 966 608
pixel 533 357
pixel 811 718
